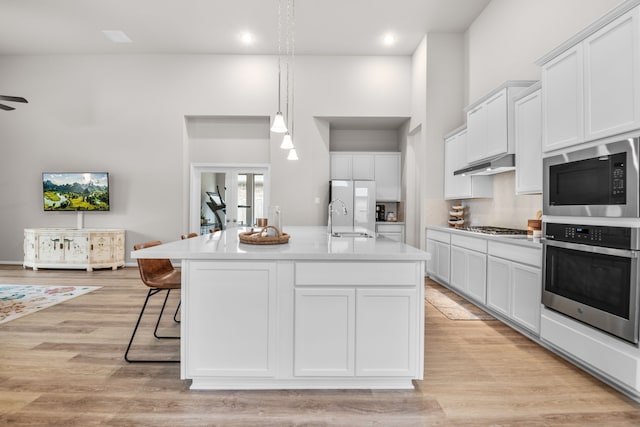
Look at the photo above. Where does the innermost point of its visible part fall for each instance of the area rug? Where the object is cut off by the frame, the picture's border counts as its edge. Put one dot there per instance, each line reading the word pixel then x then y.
pixel 19 300
pixel 453 306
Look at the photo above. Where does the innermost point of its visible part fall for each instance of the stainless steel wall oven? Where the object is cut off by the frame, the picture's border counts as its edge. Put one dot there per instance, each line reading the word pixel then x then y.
pixel 600 181
pixel 591 274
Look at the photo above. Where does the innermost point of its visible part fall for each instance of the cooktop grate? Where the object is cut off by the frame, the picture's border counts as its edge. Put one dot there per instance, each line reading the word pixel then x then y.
pixel 487 229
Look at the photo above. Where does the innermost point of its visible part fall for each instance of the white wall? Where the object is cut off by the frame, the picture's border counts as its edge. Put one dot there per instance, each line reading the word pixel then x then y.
pixel 503 43
pixel 126 114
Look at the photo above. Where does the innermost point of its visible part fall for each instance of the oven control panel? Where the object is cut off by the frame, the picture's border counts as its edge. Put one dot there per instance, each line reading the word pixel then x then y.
pixel 611 237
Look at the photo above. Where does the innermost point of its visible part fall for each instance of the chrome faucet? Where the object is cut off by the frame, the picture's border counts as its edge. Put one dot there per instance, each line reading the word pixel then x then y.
pixel 331 211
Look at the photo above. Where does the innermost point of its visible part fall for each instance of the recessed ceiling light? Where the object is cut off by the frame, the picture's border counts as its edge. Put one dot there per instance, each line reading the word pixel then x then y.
pixel 117 36
pixel 389 39
pixel 246 37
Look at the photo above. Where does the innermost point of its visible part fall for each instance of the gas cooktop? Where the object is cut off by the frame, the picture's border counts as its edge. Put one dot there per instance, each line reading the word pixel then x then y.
pixel 487 229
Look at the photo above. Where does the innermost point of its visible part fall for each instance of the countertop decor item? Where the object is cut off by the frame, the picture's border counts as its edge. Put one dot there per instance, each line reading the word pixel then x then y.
pixel 269 235
pixel 456 216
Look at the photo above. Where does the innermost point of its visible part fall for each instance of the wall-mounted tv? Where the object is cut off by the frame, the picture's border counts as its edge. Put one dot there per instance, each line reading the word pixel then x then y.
pixel 75 191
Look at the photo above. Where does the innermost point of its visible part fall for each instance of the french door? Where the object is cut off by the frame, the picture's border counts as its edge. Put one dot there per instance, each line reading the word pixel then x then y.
pixel 227 196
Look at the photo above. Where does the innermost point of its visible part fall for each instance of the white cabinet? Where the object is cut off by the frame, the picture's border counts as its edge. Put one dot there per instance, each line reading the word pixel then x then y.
pixel 391 231
pixel 514 283
pixel 386 324
pixel 490 123
pixel 562 104
pixel 384 168
pixel 324 335
pixel 528 139
pixel 363 167
pixel 438 246
pixel 591 88
pixel 73 248
pixel 388 177
pixel 612 78
pixel 469 266
pixel 460 186
pixel 231 319
pixel 487 124
pixel 356 330
pixel 361 332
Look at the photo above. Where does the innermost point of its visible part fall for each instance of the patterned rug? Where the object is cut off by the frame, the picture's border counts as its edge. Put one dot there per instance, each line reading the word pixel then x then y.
pixel 19 300
pixel 453 306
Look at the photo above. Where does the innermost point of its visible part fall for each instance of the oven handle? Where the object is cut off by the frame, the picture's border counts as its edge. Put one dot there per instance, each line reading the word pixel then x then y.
pixel 593 249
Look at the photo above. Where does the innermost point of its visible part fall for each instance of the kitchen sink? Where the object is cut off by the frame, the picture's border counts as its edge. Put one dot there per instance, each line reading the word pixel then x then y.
pixel 351 234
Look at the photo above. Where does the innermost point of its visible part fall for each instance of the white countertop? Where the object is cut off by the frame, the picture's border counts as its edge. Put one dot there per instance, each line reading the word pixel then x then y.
pixel 515 240
pixel 305 243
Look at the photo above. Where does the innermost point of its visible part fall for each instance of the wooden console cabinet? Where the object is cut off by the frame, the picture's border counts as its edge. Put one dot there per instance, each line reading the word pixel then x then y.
pixel 85 248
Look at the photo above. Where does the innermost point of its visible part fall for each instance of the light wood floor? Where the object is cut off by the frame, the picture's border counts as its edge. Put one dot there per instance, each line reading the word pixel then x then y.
pixel 64 366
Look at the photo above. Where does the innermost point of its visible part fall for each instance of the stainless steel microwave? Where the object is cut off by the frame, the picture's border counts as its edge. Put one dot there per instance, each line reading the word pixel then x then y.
pixel 600 181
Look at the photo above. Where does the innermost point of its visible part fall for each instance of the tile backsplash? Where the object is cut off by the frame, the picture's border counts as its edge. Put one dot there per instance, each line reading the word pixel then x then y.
pixel 505 209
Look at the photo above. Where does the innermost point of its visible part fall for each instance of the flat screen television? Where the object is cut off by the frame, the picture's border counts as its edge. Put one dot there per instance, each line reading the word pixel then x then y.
pixel 75 191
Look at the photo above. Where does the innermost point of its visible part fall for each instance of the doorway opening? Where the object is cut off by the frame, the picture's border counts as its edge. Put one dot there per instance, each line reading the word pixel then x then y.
pixel 225 197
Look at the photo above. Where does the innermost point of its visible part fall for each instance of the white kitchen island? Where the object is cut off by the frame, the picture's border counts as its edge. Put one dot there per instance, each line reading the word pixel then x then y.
pixel 317 312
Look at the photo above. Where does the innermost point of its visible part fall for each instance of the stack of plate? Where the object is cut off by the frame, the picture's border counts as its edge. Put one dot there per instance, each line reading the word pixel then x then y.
pixel 456 216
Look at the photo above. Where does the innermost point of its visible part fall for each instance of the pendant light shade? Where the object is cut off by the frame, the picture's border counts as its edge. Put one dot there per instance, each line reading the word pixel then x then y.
pixel 287 142
pixel 279 125
pixel 292 154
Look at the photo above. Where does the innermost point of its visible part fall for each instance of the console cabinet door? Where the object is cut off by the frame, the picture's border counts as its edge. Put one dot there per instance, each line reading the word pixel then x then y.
pixel 324 336
pixel 50 248
pixel 458 278
pixel 476 275
pixel 231 316
pixel 101 247
pixel 76 248
pixel 386 332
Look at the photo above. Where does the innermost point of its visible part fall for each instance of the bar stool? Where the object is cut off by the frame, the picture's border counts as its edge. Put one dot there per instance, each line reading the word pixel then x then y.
pixel 159 275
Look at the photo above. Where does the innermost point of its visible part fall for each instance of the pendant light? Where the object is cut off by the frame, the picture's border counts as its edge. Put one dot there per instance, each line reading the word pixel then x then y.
pixel 279 125
pixel 287 141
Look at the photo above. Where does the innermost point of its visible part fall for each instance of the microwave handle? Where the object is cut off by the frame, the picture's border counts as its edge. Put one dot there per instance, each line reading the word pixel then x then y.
pixel 588 248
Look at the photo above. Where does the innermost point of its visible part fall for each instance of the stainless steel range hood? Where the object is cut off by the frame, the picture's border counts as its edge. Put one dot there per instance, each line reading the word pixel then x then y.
pixel 501 164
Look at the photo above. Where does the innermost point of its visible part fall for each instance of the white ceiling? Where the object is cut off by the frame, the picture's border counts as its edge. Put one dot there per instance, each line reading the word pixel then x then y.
pixel 322 27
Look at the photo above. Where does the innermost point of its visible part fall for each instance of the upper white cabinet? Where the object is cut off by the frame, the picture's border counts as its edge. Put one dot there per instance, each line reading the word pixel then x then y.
pixel 528 139
pixel 490 123
pixel 383 167
pixel 591 84
pixel 387 173
pixel 363 167
pixel 460 186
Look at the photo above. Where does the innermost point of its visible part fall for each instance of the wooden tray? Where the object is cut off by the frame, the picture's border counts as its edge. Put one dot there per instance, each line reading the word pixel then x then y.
pixel 250 238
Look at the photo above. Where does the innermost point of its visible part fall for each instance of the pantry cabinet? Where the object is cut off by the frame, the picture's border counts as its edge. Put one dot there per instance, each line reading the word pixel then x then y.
pixel 528 140
pixel 591 84
pixel 73 248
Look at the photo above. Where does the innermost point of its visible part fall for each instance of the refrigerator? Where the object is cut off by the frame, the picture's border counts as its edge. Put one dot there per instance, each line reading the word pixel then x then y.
pixel 359 211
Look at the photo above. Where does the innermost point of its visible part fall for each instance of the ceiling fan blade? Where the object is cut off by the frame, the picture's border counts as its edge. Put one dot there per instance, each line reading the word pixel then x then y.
pixel 12 98
pixel 6 107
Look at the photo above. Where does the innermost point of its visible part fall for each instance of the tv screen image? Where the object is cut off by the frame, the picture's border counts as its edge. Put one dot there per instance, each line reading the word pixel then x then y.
pixel 64 191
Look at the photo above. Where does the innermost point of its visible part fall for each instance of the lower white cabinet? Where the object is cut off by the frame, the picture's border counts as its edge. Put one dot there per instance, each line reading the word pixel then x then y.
pixel 324 335
pixel 73 248
pixel 231 319
pixel 438 246
pixel 361 332
pixel 469 266
pixel 391 231
pixel 514 283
